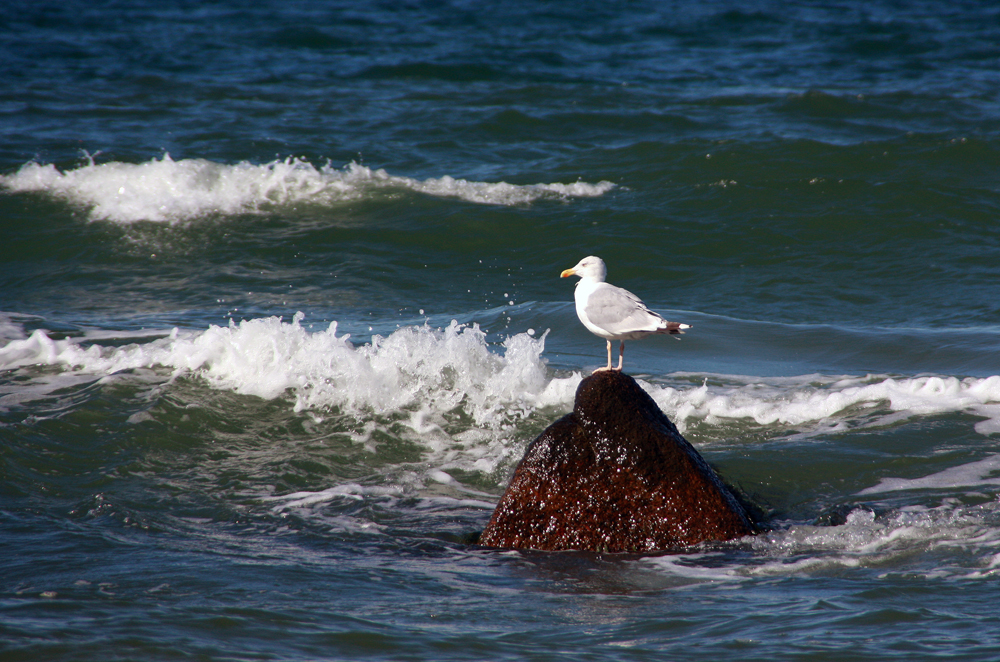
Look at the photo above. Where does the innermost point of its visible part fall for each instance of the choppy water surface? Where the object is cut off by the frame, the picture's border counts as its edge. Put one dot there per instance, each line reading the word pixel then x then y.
pixel 280 312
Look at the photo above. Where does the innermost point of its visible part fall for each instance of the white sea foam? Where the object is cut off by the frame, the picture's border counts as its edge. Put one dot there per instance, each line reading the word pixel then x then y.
pixel 426 371
pixel 974 474
pixel 10 330
pixel 870 540
pixel 818 398
pixel 917 535
pixel 172 191
pixel 913 532
pixel 404 486
pixel 347 491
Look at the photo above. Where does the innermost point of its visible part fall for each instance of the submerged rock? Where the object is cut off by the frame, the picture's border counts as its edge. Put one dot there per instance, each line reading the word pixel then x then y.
pixel 614 475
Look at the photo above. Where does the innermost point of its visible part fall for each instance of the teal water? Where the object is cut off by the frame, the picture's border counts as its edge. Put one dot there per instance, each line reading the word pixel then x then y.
pixel 280 310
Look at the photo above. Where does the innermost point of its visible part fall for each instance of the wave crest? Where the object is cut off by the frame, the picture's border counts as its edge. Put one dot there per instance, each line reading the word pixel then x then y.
pixel 430 374
pixel 164 190
pixel 413 369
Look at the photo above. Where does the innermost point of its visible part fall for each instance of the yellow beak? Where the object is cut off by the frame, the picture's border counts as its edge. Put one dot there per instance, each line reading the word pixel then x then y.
pixel 568 272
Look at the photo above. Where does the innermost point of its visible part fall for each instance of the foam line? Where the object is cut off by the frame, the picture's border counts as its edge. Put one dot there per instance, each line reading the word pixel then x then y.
pixel 164 190
pixel 815 398
pixel 974 474
pixel 427 372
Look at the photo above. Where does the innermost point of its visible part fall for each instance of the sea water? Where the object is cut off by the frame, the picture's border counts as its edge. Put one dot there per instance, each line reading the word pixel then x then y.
pixel 280 311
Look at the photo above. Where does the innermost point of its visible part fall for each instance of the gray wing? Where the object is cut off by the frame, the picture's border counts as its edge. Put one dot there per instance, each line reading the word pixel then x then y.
pixel 619 311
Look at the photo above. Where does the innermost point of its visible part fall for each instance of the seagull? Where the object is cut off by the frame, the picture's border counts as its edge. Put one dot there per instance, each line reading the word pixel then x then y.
pixel 614 313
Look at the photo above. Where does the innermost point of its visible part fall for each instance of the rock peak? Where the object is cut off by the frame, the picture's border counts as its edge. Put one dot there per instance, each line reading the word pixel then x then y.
pixel 614 475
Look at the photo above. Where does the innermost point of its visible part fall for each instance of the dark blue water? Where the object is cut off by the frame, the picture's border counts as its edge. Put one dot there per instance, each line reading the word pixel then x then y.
pixel 280 311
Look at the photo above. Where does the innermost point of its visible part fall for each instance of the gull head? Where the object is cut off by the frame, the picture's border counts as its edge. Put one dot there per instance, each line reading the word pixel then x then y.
pixel 589 268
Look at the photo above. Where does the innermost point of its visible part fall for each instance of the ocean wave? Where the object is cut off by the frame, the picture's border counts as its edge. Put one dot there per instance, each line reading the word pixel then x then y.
pixel 164 190
pixel 428 373
pixel 418 369
pixel 810 399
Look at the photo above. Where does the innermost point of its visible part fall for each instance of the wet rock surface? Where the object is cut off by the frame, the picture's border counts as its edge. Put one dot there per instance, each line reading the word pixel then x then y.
pixel 614 475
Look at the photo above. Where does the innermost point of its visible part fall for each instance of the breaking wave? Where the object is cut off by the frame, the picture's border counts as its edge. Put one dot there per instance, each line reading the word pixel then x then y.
pixel 435 371
pixel 164 190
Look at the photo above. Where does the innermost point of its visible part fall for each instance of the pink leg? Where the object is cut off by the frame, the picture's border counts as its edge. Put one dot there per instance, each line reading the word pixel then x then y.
pixel 609 360
pixel 621 354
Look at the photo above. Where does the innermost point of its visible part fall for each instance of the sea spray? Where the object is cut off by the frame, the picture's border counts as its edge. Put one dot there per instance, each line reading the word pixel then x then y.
pixel 415 367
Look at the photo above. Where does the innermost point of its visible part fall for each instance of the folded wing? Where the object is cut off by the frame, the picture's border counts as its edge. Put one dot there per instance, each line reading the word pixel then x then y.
pixel 622 313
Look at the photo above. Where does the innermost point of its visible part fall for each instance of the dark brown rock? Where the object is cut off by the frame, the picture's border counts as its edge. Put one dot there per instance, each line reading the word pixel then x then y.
pixel 614 475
